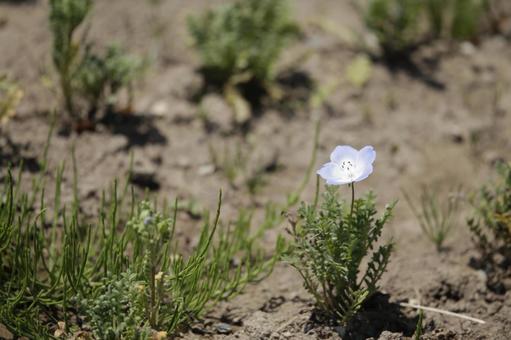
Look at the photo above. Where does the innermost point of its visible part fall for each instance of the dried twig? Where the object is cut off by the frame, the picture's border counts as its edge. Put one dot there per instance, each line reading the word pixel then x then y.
pixel 441 311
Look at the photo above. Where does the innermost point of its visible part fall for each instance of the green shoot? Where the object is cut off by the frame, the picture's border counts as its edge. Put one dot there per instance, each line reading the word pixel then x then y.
pixel 89 82
pixel 65 18
pixel 436 217
pixel 491 223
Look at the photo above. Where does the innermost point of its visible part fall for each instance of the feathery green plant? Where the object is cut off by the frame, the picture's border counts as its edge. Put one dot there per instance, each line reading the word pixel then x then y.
pixel 329 244
pixel 87 78
pixel 436 217
pixel 491 223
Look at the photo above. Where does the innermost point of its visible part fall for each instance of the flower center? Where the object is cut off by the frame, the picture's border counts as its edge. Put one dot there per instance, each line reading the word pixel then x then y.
pixel 348 167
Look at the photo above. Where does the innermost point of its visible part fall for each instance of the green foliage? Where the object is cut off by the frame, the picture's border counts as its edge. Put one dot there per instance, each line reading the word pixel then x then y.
pixel 125 274
pixel 436 217
pixel 419 329
pixel 87 78
pixel 329 247
pixel 402 25
pixel 456 19
pixel 101 78
pixel 243 41
pixel 116 310
pixel 491 225
pixel 395 24
pixel 10 96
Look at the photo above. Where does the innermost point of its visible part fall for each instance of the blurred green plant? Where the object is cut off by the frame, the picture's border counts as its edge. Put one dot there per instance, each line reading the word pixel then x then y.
pixel 400 26
pixel 329 246
pixel 10 96
pixel 87 78
pixel 395 23
pixel 241 43
pixel 65 18
pixel 437 217
pixel 456 19
pixel 491 223
pixel 101 78
pixel 419 329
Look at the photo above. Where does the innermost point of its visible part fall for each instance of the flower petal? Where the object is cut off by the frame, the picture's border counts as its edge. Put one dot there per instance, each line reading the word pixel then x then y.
pixel 339 181
pixel 342 152
pixel 368 169
pixel 330 171
pixel 366 155
pixel 333 174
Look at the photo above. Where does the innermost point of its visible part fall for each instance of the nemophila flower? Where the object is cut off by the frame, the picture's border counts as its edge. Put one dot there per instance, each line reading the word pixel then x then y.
pixel 347 165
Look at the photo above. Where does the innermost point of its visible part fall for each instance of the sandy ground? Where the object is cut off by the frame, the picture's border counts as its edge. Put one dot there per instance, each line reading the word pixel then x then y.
pixel 444 122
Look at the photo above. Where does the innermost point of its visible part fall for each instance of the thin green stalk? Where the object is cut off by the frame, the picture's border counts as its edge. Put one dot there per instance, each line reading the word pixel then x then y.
pixel 316 195
pixel 352 198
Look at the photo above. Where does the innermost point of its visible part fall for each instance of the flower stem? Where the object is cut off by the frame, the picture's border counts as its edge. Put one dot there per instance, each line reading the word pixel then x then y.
pixel 352 198
pixel 316 195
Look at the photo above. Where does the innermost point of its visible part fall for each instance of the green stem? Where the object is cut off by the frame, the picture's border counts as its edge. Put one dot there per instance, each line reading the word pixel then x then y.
pixel 352 198
pixel 316 195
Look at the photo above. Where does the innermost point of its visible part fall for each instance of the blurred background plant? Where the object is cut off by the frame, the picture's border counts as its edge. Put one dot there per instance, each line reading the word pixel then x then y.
pixel 401 26
pixel 328 247
pixel 437 216
pixel 395 24
pixel 89 82
pixel 10 96
pixel 456 19
pixel 491 227
pixel 239 46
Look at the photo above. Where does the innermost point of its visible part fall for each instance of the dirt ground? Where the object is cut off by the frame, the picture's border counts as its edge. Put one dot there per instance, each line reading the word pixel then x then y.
pixel 443 120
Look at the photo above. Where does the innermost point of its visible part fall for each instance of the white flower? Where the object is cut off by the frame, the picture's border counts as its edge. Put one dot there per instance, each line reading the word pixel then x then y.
pixel 348 165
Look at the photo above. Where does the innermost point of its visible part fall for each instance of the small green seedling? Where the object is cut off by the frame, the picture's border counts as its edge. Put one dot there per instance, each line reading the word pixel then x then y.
pixel 10 96
pixel 437 217
pixel 491 223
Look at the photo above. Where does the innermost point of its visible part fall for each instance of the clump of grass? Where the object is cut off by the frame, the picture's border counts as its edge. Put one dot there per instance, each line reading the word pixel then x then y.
pixel 88 81
pixel 240 44
pixel 491 223
pixel 330 242
pixel 125 275
pixel 437 217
